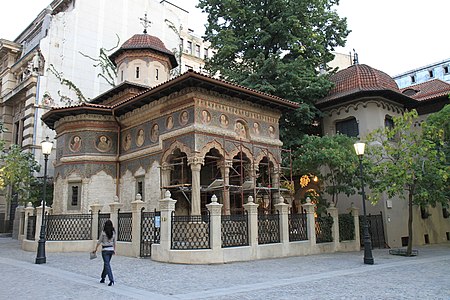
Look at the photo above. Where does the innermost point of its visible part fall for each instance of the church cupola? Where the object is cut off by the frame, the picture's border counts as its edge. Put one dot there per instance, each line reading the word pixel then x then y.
pixel 143 59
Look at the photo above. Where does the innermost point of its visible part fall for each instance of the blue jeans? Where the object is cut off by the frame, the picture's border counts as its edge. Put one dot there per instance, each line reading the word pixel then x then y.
pixel 106 255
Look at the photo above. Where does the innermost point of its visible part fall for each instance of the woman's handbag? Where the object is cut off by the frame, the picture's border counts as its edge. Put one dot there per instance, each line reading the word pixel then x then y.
pixel 92 255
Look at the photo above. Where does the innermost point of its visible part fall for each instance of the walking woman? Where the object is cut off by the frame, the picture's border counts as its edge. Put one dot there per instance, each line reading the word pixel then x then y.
pixel 108 241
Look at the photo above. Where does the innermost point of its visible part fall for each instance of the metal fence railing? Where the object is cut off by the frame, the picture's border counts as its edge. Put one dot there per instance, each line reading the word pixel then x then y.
pixel 31 228
pixel 125 225
pixel 324 229
pixel 268 228
pixel 102 218
pixel 190 232
pixel 297 227
pixel 346 227
pixel 235 230
pixel 69 227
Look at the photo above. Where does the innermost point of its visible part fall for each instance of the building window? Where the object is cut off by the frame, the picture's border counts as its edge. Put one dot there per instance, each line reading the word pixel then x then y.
pixel 157 74
pixel 74 195
pixel 197 50
pixel 18 132
pixel 205 53
pixel 431 73
pixel 137 72
pixel 189 47
pixel 446 69
pixel 140 186
pixel 348 127
pixel 388 122
pixel 413 78
pixel 182 43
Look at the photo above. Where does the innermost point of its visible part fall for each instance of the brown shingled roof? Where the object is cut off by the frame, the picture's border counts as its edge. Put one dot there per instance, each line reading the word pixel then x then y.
pixel 358 80
pixel 428 90
pixel 145 41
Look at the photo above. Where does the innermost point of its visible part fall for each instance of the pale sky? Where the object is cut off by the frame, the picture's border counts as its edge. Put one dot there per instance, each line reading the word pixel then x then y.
pixel 393 36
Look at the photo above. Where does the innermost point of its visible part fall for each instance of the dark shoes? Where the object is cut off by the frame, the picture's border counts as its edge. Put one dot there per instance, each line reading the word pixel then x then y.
pixel 111 283
pixel 102 280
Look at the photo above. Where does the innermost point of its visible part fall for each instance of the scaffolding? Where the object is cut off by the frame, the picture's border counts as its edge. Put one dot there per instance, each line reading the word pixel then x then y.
pixel 246 177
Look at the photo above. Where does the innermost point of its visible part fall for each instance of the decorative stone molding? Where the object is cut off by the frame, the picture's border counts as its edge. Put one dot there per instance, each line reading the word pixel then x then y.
pixel 210 145
pixel 244 149
pixel 383 103
pixel 176 145
pixel 196 160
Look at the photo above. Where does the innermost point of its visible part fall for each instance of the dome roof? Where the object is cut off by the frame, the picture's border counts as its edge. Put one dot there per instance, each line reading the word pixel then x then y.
pixel 145 42
pixel 359 78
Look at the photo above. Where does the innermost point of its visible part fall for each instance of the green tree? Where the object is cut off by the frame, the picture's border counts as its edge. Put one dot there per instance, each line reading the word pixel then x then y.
pixel 333 159
pixel 17 172
pixel 408 164
pixel 277 47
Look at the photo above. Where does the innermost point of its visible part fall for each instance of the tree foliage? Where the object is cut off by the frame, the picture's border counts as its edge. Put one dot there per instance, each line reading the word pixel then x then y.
pixel 17 172
pixel 334 161
pixel 277 47
pixel 409 164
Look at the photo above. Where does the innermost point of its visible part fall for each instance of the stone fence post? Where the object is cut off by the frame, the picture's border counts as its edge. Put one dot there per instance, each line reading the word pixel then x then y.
pixel 355 213
pixel 283 209
pixel 114 212
pixel 252 211
pixel 29 211
pixel 333 212
pixel 19 223
pixel 310 221
pixel 215 235
pixel 136 212
pixel 167 206
pixel 95 209
pixel 48 210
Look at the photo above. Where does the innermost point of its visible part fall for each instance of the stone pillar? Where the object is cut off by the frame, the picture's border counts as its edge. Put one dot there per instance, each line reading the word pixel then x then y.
pixel 215 210
pixel 283 210
pixel 355 213
pixel 310 221
pixel 19 226
pixel 114 212
pixel 333 212
pixel 276 185
pixel 166 170
pixel 48 210
pixel 252 210
pixel 196 165
pixel 95 209
pixel 225 171
pixel 137 207
pixel 167 206
pixel 29 211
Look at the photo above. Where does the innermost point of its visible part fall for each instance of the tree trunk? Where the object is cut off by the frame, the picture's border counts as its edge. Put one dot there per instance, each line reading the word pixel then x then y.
pixel 410 220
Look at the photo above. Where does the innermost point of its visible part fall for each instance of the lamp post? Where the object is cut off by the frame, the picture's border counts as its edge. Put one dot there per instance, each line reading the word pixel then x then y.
pixel 368 258
pixel 46 147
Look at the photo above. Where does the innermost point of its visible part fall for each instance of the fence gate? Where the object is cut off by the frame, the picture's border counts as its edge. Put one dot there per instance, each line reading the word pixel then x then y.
pixel 150 231
pixel 376 230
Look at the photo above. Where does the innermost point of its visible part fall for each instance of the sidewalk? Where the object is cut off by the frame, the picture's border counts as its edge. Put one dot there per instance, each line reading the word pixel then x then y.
pixel 327 276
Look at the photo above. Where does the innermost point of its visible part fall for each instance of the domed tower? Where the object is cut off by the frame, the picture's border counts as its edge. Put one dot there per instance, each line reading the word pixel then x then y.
pixel 143 59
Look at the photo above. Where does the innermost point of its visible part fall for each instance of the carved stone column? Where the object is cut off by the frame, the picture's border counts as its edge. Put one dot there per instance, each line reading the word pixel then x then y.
pixel 196 166
pixel 225 171
pixel 276 185
pixel 166 170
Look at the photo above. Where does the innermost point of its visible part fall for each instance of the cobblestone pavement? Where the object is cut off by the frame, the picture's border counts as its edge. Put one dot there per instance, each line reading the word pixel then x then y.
pixel 325 276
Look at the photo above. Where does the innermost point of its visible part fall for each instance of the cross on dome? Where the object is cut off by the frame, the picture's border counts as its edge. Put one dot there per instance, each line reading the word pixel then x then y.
pixel 145 22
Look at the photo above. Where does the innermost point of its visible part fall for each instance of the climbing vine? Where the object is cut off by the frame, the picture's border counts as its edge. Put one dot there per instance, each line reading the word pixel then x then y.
pixel 69 84
pixel 176 52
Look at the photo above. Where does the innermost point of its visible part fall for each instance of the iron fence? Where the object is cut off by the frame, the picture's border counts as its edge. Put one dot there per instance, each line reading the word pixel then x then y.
pixel 346 227
pixel 125 225
pixel 235 230
pixel 323 229
pixel 190 232
pixel 31 228
pixel 268 228
pixel 69 227
pixel 102 218
pixel 150 231
pixel 297 227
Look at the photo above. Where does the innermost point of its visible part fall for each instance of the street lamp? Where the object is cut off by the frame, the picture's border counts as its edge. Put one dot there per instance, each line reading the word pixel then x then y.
pixel 46 147
pixel 368 258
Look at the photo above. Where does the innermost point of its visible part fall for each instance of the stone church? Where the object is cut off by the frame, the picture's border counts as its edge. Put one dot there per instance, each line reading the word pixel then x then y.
pixel 193 135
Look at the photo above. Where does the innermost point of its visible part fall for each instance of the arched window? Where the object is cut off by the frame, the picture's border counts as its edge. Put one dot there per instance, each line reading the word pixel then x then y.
pixel 348 127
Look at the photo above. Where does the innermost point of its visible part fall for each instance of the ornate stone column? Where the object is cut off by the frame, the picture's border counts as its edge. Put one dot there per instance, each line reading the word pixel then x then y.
pixel 225 171
pixel 167 206
pixel 136 212
pixel 196 165
pixel 215 210
pixel 252 210
pixel 166 170
pixel 310 222
pixel 333 212
pixel 276 185
pixel 283 209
